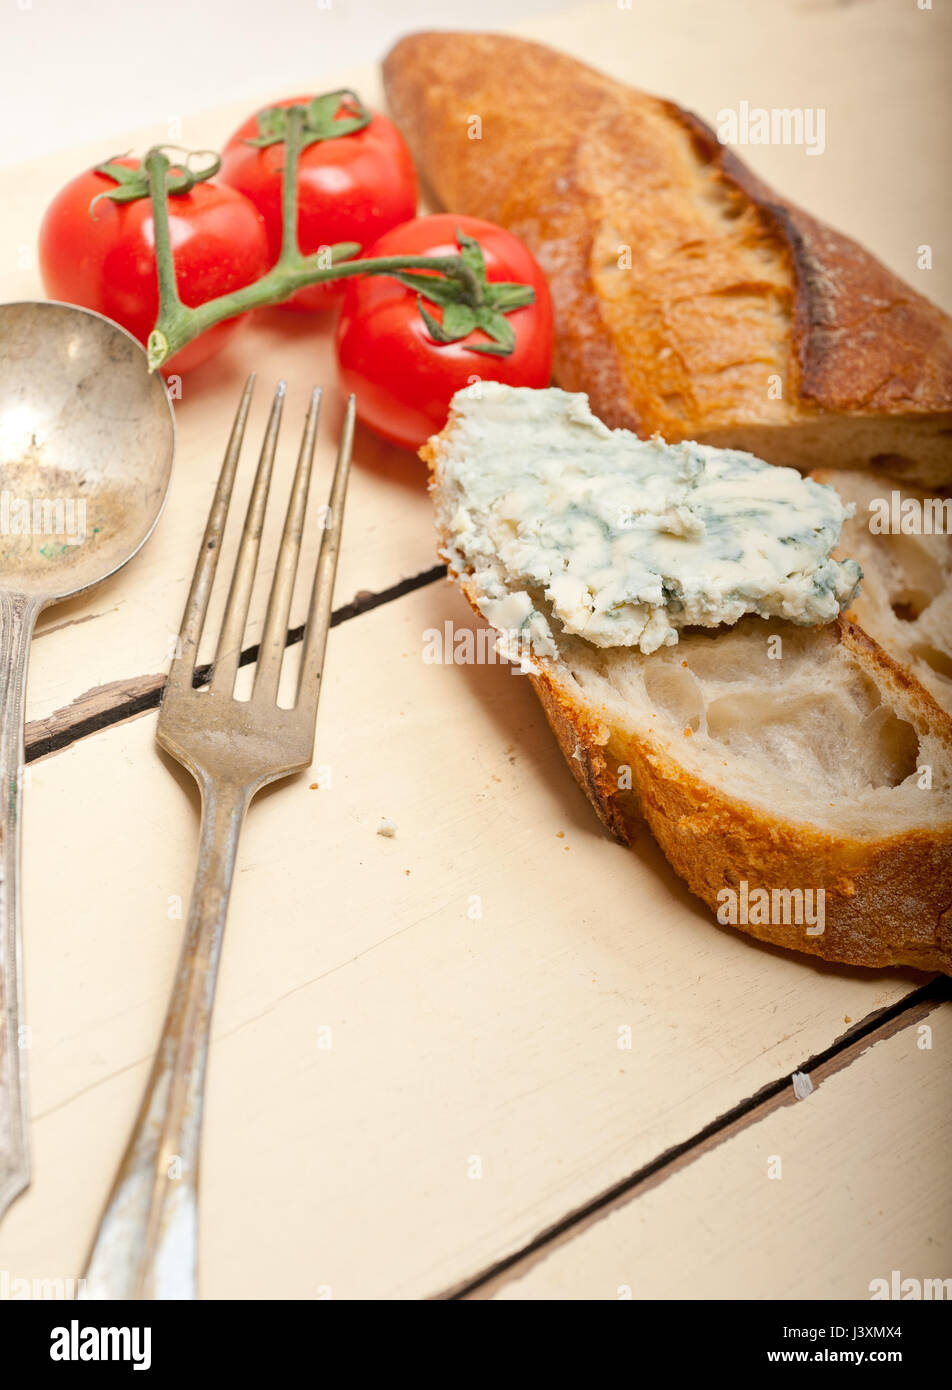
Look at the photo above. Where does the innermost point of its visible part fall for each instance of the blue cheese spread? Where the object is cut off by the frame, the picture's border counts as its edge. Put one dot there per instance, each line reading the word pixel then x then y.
pixel 628 540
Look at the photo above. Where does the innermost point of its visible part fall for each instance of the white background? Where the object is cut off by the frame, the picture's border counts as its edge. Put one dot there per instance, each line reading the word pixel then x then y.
pixel 77 70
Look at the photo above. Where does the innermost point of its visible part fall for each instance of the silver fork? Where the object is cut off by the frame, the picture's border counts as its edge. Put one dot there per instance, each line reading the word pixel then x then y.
pixel 146 1243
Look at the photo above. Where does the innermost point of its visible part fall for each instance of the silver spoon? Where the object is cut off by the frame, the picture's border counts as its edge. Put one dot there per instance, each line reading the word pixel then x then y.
pixel 86 443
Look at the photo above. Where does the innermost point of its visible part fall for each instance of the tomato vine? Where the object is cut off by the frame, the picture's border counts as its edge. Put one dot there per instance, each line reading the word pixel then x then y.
pixel 459 285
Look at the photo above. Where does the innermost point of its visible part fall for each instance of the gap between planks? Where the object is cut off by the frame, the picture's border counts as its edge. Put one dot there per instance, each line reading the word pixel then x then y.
pixel 120 700
pixel 845 1050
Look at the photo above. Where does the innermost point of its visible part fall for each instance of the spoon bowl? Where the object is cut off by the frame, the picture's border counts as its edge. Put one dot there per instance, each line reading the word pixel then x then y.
pixel 86 444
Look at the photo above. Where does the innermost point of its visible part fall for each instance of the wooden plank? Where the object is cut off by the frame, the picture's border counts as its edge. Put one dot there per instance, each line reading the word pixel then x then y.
pixel 476 974
pixel 707 55
pixel 820 1199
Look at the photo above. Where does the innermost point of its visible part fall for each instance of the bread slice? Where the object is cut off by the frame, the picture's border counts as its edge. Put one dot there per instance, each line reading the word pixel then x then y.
pixel 766 758
pixel 905 600
pixel 690 299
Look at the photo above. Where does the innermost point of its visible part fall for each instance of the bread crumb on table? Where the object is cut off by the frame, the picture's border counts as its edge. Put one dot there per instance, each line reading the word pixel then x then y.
pixel 387 828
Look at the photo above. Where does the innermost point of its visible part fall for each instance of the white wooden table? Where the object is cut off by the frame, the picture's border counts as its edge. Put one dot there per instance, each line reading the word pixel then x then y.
pixel 496 1053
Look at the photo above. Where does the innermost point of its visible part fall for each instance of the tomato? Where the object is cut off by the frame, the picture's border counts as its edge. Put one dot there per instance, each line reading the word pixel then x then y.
pixel 105 259
pixel 351 188
pixel 402 378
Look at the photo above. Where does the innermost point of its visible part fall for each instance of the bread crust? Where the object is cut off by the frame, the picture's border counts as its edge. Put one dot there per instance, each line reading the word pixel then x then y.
pixel 863 340
pixel 888 900
pixel 728 284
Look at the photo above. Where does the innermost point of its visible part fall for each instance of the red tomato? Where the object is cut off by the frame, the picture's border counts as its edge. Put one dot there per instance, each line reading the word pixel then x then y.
pixel 402 379
pixel 105 259
pixel 352 188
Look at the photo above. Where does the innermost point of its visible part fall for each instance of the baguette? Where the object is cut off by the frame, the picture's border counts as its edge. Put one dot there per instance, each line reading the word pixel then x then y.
pixel 905 600
pixel 828 769
pixel 686 292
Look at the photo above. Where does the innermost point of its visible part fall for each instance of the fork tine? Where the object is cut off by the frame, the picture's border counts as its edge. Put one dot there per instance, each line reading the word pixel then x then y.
pixel 242 581
pixel 322 594
pixel 196 606
pixel 275 636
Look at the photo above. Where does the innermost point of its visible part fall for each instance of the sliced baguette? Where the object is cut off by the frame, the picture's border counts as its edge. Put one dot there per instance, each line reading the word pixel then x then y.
pixel 798 773
pixel 685 290
pixel 905 600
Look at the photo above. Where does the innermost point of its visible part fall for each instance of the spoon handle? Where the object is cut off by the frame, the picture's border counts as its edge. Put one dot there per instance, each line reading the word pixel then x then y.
pixel 17 615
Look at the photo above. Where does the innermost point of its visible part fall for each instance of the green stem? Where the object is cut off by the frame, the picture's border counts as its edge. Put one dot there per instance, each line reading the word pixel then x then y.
pixel 157 166
pixel 290 248
pixel 178 324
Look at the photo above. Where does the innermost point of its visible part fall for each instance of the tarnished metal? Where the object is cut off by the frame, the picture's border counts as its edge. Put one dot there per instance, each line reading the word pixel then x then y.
pixel 86 443
pixel 146 1243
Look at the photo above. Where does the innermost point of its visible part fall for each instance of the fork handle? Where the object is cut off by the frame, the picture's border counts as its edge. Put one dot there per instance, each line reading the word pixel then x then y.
pixel 17 616
pixel 145 1247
